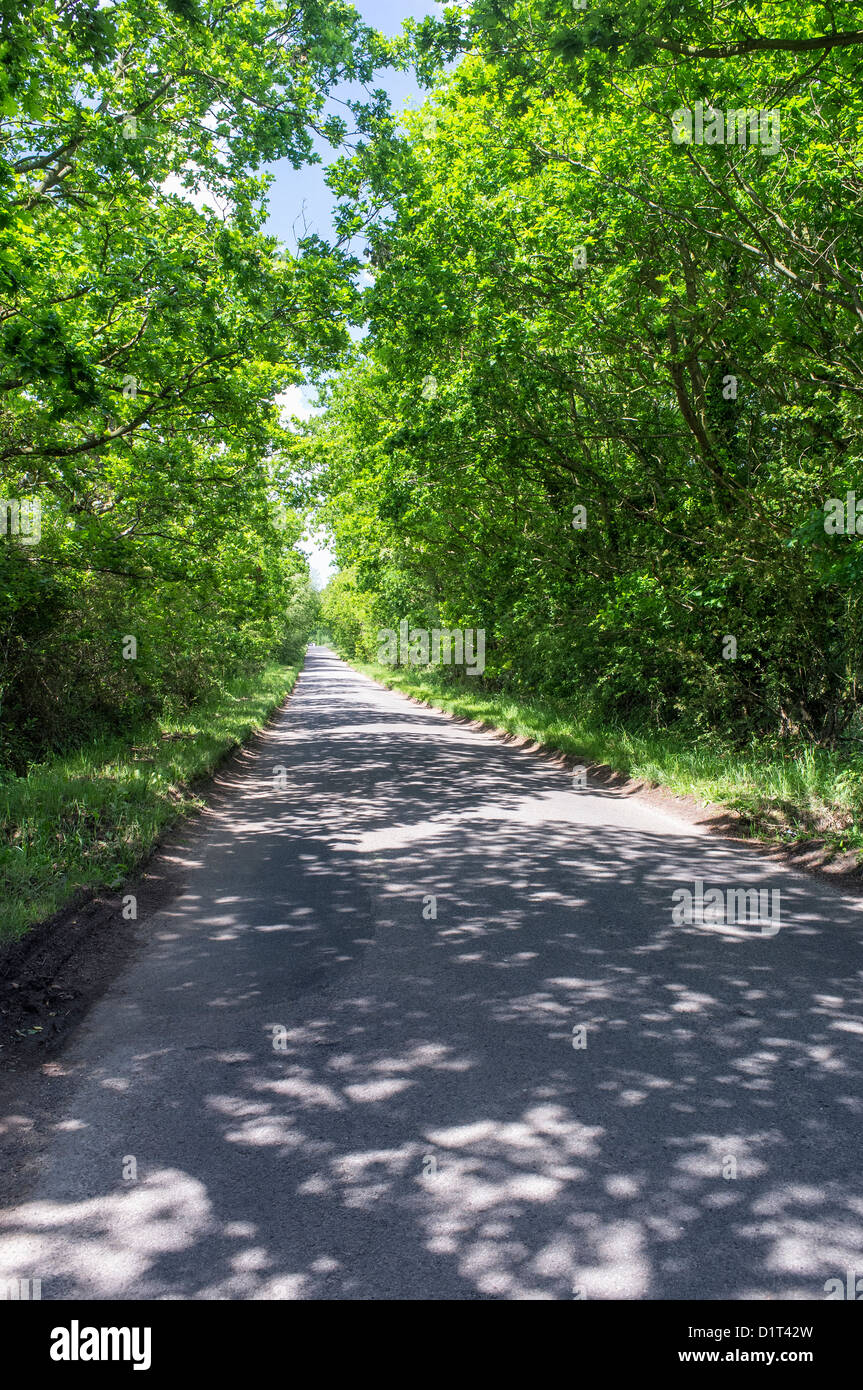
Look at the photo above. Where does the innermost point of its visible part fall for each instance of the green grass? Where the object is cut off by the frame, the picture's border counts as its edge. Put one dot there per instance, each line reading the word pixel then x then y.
pixel 86 821
pixel 786 795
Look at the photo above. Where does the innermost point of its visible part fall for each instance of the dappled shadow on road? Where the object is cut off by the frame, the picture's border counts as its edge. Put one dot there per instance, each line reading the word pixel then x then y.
pixel 545 1090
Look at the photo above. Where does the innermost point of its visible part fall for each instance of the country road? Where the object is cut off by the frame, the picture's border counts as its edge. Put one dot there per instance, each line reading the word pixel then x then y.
pixel 328 1094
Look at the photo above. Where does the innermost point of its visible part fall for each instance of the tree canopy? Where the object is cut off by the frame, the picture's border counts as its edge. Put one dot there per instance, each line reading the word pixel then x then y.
pixel 148 325
pixel 613 375
pixel 601 394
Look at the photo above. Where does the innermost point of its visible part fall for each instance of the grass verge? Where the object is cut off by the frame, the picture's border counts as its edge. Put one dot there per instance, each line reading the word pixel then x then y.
pixel 85 822
pixel 785 796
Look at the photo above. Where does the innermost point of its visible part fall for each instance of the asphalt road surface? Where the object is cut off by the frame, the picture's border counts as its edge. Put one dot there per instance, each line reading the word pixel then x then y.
pixel 303 1087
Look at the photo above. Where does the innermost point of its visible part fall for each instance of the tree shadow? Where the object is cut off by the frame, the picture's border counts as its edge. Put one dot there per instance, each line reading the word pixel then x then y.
pixel 329 1094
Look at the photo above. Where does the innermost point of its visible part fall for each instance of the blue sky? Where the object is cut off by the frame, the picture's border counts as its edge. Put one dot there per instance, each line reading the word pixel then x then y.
pixel 300 202
pixel 298 194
